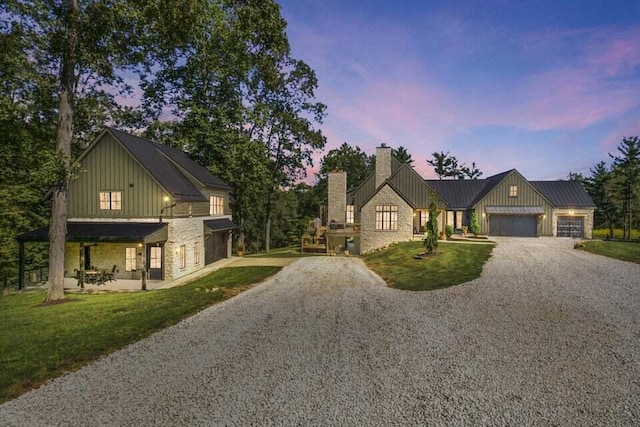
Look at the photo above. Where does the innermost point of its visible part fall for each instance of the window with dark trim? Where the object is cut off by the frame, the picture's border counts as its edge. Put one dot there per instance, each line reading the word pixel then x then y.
pixel 350 214
pixel 513 191
pixel 386 217
pixel 110 200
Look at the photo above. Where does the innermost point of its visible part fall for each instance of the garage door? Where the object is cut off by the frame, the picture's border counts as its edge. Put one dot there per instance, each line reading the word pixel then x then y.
pixel 513 225
pixel 570 226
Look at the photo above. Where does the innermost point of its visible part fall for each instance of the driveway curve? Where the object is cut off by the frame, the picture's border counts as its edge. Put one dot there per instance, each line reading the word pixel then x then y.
pixel 546 336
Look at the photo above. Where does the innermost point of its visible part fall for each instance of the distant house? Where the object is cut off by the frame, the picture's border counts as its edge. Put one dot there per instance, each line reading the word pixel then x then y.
pixel 391 205
pixel 138 204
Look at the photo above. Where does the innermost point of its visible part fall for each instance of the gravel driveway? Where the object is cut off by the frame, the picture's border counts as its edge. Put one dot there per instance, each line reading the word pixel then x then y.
pixel 547 336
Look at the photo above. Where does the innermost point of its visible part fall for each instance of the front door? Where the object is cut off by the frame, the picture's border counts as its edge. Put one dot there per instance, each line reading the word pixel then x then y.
pixel 155 262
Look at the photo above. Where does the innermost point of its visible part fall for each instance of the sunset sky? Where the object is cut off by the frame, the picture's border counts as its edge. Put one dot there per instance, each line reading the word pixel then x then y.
pixel 543 87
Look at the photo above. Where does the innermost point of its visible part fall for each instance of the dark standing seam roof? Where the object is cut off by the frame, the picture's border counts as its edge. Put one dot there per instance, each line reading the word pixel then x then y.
pixel 459 193
pixel 99 231
pixel 491 183
pixel 200 173
pixel 220 224
pixel 565 194
pixel 159 161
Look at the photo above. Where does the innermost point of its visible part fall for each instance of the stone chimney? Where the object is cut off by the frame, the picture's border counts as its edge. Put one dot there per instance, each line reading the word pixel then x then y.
pixel 383 163
pixel 337 197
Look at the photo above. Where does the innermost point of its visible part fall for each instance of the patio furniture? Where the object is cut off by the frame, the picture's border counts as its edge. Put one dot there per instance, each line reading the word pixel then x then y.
pixel 109 276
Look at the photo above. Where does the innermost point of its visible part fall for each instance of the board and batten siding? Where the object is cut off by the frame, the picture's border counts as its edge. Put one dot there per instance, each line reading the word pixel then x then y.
pixel 527 196
pixel 201 208
pixel 108 166
pixel 412 186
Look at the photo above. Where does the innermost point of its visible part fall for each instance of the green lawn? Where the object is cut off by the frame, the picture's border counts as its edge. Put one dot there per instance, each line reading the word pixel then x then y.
pixel 454 263
pixel 287 252
pixel 624 251
pixel 40 342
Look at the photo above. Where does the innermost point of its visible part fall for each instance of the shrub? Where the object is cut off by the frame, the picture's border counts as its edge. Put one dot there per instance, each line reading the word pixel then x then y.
pixel 448 231
pixel 475 224
pixel 431 241
pixel 618 233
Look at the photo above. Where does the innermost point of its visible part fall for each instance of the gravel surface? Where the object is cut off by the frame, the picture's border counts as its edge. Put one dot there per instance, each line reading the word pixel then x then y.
pixel 547 336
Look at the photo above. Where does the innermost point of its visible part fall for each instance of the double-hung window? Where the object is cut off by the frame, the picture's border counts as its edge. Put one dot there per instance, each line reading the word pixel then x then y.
pixel 196 253
pixel 386 217
pixel 350 214
pixel 111 200
pixel 513 191
pixel 130 259
pixel 216 205
pixel 183 256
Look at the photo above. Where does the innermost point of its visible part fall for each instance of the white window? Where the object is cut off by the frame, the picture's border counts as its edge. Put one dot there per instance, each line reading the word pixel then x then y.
pixel 386 217
pixel 155 257
pixel 130 259
pixel 350 214
pixel 513 191
pixel 196 253
pixel 111 200
pixel 183 256
pixel 216 205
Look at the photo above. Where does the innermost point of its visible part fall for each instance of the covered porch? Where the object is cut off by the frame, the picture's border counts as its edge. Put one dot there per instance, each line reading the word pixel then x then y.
pixel 100 253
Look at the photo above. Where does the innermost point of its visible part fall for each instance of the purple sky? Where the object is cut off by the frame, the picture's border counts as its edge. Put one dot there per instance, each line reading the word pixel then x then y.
pixel 543 87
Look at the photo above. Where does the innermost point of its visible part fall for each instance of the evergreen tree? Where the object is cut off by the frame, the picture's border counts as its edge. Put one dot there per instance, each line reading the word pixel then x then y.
pixel 431 241
pixel 626 166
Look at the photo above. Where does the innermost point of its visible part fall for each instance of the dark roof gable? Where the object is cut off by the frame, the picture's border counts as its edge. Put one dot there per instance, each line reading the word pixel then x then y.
pixel 565 194
pixel 165 164
pixel 465 194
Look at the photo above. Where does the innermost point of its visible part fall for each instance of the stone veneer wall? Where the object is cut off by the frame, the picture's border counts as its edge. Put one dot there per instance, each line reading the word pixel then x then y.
pixel 370 238
pixel 104 256
pixel 183 231
pixel 383 164
pixel 337 197
pixel 586 213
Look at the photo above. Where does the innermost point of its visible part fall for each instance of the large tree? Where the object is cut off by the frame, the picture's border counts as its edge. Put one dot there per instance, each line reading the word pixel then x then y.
pixel 81 47
pixel 446 165
pixel 352 160
pixel 402 155
pixel 626 166
pixel 600 188
pixel 229 80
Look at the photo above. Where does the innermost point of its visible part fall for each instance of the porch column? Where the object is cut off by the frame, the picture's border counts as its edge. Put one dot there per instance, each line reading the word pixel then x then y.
pixel 21 265
pixel 144 267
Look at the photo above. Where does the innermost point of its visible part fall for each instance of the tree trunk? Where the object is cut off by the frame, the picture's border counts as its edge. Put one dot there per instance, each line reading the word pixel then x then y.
pixel 267 234
pixel 58 224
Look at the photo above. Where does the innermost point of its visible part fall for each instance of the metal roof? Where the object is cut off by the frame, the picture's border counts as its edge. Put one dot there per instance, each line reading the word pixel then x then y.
pixel 221 224
pixel 459 193
pixel 162 163
pixel 565 194
pixel 514 210
pixel 100 231
pixel 200 173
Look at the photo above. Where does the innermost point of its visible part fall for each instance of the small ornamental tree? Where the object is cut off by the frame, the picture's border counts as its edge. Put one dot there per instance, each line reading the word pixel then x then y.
pixel 431 241
pixel 475 224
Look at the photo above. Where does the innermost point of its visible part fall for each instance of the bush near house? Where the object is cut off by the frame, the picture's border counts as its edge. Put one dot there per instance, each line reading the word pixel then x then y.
pixel 41 342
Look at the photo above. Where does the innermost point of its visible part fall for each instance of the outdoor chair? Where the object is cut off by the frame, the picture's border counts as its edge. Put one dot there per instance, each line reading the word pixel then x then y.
pixel 109 276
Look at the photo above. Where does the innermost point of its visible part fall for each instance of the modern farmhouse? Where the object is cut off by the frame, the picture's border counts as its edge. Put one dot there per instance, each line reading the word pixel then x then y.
pixel 140 205
pixel 391 205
